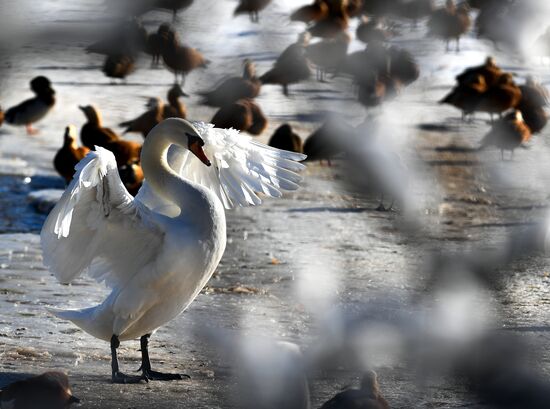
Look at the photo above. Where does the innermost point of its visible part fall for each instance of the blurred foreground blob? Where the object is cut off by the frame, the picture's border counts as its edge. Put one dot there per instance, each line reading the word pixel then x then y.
pixel 508 133
pixel 450 23
pixel 34 109
pixel 50 390
pixel 368 396
pixel 285 138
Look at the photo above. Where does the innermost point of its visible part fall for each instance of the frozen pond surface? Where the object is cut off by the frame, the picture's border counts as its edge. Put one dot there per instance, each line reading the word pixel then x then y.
pixel 289 261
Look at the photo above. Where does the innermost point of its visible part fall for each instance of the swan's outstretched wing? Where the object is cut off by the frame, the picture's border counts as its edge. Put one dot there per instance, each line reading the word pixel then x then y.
pixel 98 227
pixel 242 168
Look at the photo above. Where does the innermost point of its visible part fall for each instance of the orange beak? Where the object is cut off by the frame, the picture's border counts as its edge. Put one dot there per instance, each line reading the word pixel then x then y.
pixel 196 148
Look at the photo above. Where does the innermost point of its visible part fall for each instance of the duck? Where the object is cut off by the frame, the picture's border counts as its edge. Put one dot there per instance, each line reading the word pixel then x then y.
pixel 450 22
pixel 403 66
pixel 125 152
pixel 311 12
pixel 501 97
pixel 336 22
pixel 93 133
pixel 252 8
pixel 51 389
pixel 131 175
pixel 119 66
pixel 174 227
pixel 372 29
pixel 234 88
pixel 328 55
pixel 368 396
pixel 69 154
pixel 175 108
pixel 508 133
pixel 467 95
pixel 34 109
pixel 320 146
pixel 243 115
pixel 181 59
pixel 489 70
pixel 286 139
pixel 156 42
pixel 534 97
pixel 148 120
pixel 292 65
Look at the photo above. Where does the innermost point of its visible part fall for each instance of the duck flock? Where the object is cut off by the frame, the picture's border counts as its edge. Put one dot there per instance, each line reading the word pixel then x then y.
pixel 377 73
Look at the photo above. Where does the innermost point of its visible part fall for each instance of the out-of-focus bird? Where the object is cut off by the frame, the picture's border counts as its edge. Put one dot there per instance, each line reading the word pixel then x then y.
pixel 173 5
pixel 328 55
pixel 285 138
pixel 311 12
pixel 415 9
pixel 51 390
pixel 175 108
pixel 148 120
pixel 34 109
pixel 372 30
pixel 334 23
pixel 181 60
pixel 69 155
pixel 321 144
pixel 119 66
pixel 156 42
pixel 98 228
pixel 507 133
pixel 403 66
pixel 501 97
pixel 466 96
pixel 450 22
pixel 243 115
pixel 489 70
pixel 252 8
pixel 92 132
pixel 129 39
pixel 234 88
pixel 291 67
pixel 534 98
pixel 368 396
pixel 132 177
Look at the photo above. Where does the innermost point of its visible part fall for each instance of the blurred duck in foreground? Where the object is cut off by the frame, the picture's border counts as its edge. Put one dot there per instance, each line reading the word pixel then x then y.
pixel 158 41
pixel 334 23
pixel 175 108
pixel 372 30
pixel 69 155
pixel 368 396
pixel 291 67
pixel 243 115
pixel 311 12
pixel 501 97
pixel 286 139
pixel 450 22
pixel 507 133
pixel 234 88
pixel 50 390
pixel 34 109
pixel 252 8
pixel 148 120
pixel 181 59
pixel 534 97
pixel 328 55
pixel 119 66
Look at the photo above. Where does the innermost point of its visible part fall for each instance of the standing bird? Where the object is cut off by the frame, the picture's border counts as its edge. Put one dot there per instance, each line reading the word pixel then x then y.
pixel 181 59
pixel 175 108
pixel 450 23
pixel 291 67
pixel 243 115
pixel 234 88
pixel 50 390
pixel 368 396
pixel 69 155
pixel 92 132
pixel 148 120
pixel 500 97
pixel 157 251
pixel 252 7
pixel 158 41
pixel 34 109
pixel 534 97
pixel 489 70
pixel 286 139
pixel 328 55
pixel 507 133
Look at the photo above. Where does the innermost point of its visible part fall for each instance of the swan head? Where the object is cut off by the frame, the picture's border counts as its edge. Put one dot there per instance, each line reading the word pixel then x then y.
pixel 183 133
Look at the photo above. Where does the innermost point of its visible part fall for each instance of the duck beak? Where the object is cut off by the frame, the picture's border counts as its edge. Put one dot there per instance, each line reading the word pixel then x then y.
pixel 195 146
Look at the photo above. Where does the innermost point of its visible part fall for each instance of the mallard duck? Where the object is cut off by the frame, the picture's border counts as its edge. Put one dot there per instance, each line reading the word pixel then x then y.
pixel 507 133
pixel 148 120
pixel 175 108
pixel 118 66
pixel 291 67
pixel 450 22
pixel 33 110
pixel 311 12
pixel 368 396
pixel 181 59
pixel 50 390
pixel 252 8
pixel 286 139
pixel 159 40
pixel 69 154
pixel 243 115
pixel 234 88
pixel 500 97
pixel 328 55
pixel 93 133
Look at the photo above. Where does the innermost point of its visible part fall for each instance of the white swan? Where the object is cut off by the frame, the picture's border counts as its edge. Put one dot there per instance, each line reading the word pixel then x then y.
pixel 157 251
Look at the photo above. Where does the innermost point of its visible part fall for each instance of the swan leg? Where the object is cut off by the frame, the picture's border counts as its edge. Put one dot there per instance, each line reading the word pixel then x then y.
pixel 117 376
pixel 146 365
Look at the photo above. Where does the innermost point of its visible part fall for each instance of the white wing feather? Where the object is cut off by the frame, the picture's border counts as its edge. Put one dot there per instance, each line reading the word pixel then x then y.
pixel 93 223
pixel 242 168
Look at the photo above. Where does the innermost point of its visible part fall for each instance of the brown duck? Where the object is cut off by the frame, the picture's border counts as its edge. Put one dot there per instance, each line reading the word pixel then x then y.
pixel 243 115
pixel 467 96
pixel 500 97
pixel 69 155
pixel 285 138
pixel 328 55
pixel 334 23
pixel 490 72
pixel 534 97
pixel 235 88
pixel 175 108
pixel 450 23
pixel 181 60
pixel 159 40
pixel 507 133
pixel 148 120
pixel 92 132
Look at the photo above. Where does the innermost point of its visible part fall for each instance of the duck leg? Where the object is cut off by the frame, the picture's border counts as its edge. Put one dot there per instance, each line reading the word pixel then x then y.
pixel 146 365
pixel 117 376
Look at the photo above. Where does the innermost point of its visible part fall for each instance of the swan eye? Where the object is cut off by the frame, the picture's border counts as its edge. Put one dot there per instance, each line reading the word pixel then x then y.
pixel 194 139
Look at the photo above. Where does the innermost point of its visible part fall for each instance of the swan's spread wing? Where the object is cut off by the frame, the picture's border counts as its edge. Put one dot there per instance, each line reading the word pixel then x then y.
pixel 98 227
pixel 242 168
